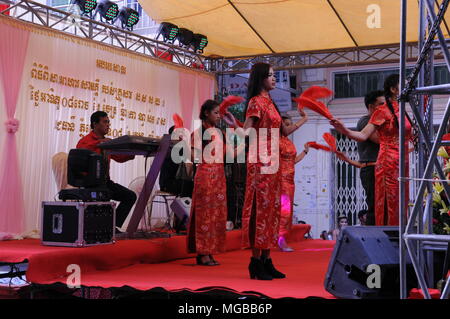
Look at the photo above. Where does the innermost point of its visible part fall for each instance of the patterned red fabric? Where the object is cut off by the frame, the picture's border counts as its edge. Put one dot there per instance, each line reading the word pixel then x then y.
pixel 262 190
pixel 288 153
pixel 208 218
pixel 387 166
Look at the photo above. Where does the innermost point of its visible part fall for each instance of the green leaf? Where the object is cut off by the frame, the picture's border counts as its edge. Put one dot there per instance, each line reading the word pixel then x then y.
pixel 442 152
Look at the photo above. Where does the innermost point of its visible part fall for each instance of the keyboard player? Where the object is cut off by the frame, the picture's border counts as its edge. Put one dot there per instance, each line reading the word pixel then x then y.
pixel 100 127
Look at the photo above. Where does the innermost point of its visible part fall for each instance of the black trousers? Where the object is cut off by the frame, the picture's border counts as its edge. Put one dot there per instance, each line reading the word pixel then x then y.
pixel 126 197
pixel 367 175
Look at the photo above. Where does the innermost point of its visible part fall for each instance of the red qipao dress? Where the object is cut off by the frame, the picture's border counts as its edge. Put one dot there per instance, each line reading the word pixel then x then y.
pixel 261 211
pixel 387 166
pixel 288 153
pixel 208 217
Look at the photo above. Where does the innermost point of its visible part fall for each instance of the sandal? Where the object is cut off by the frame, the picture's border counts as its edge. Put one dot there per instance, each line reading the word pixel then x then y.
pixel 204 263
pixel 216 263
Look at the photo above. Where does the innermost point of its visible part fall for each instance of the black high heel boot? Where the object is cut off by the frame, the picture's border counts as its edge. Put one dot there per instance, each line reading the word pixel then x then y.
pixel 270 268
pixel 256 270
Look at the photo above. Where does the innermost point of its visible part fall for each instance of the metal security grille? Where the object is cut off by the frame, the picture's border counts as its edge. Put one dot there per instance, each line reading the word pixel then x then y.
pixel 348 196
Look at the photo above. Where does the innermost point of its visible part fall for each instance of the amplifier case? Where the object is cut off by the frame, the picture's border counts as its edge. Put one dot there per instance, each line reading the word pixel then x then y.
pixel 78 224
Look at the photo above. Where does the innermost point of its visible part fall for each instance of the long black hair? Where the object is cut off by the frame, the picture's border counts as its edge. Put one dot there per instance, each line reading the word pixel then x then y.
pixel 390 82
pixel 258 73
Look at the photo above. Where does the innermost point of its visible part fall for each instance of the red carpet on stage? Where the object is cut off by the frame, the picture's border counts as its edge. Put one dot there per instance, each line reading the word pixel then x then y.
pixel 148 263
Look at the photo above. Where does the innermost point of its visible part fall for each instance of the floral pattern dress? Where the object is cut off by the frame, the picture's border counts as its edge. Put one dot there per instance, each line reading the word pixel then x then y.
pixel 387 166
pixel 208 217
pixel 261 210
pixel 288 153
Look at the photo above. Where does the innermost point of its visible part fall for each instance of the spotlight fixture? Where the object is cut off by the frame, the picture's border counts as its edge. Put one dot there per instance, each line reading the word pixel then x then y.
pixel 86 6
pixel 108 10
pixel 199 42
pixel 168 31
pixel 185 37
pixel 128 17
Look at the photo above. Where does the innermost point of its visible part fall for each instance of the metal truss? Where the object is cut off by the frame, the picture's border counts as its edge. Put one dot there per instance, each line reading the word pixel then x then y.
pixel 417 238
pixel 316 59
pixel 105 33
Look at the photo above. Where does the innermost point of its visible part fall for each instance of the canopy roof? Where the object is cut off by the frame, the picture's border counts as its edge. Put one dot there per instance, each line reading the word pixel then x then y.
pixel 252 27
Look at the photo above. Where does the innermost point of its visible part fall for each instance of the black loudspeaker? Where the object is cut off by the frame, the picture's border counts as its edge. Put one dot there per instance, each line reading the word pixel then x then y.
pixel 85 168
pixel 365 264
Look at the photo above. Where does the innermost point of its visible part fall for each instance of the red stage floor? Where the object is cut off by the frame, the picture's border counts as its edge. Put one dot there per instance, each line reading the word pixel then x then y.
pixel 146 264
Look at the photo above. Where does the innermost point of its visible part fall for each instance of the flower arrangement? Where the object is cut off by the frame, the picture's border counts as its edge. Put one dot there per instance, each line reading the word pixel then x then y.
pixel 441 205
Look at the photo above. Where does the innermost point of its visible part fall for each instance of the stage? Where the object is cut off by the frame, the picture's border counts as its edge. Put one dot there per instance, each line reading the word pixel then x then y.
pixel 146 264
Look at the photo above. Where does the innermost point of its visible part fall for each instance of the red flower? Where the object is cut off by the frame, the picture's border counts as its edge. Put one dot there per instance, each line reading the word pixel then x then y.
pixel 435 221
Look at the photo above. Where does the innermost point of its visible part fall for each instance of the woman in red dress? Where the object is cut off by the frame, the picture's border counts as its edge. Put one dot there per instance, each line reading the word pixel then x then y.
pixel 385 121
pixel 208 217
pixel 288 159
pixel 261 211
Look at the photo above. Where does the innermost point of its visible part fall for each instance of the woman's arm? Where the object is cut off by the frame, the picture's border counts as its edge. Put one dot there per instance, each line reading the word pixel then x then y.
pixel 302 155
pixel 242 132
pixel 343 157
pixel 287 130
pixel 362 136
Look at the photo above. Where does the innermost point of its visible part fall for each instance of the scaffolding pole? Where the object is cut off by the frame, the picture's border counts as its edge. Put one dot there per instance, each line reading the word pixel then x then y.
pixel 418 230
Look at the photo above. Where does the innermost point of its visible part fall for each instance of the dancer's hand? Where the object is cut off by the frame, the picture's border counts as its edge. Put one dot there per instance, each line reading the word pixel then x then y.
pixel 230 119
pixel 306 147
pixel 341 155
pixel 339 126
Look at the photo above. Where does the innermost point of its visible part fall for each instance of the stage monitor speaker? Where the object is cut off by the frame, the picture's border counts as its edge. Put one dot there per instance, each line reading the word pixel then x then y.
pixel 181 206
pixel 365 264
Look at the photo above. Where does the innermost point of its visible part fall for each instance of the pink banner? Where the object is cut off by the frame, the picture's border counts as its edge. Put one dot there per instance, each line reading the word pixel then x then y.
pixel 204 89
pixel 13 48
pixel 187 92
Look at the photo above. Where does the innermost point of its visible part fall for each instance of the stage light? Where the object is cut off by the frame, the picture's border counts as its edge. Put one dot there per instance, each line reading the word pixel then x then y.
pixel 185 37
pixel 86 6
pixel 108 10
pixel 199 42
pixel 128 17
pixel 168 30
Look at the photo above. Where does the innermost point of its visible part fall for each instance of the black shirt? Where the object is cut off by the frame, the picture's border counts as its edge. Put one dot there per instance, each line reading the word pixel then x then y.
pixel 367 150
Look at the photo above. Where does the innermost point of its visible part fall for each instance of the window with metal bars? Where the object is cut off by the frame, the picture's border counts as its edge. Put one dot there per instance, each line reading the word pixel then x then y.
pixel 359 83
pixel 348 196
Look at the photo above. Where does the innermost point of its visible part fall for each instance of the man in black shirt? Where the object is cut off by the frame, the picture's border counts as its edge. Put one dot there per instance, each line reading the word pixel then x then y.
pixel 368 154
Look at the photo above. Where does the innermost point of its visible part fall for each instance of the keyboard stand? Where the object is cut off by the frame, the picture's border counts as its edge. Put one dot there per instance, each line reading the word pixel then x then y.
pixel 147 189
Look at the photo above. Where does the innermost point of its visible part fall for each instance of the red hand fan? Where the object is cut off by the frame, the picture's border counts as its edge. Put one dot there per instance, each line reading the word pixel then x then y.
pixel 319 146
pixel 178 121
pixel 330 141
pixel 314 105
pixel 229 101
pixel 316 92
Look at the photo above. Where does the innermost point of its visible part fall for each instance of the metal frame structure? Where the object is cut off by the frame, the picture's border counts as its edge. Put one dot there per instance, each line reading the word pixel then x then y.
pixel 105 33
pixel 315 59
pixel 101 32
pixel 416 236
